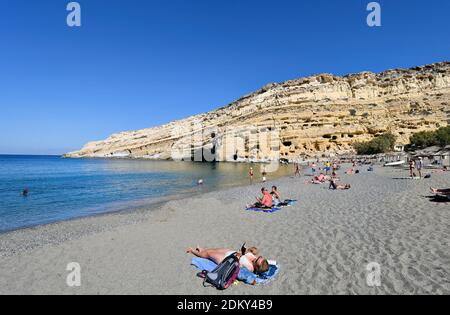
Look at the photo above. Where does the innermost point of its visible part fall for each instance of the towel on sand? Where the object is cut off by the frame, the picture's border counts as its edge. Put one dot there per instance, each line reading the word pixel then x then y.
pixel 275 208
pixel 266 210
pixel 245 275
pixel 289 203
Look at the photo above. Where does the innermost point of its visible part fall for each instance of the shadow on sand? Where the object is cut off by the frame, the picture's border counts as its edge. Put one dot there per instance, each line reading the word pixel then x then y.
pixel 438 198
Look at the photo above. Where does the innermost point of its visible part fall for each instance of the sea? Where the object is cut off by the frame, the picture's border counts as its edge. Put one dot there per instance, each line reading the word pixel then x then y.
pixel 63 189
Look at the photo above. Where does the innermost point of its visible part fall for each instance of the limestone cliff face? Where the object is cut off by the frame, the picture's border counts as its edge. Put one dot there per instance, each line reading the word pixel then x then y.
pixel 322 114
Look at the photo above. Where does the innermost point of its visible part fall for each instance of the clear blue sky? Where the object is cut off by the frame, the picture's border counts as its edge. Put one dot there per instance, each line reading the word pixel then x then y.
pixel 136 64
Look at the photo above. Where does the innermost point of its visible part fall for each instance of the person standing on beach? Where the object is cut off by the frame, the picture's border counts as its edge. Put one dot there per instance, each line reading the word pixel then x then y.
pixel 327 167
pixel 251 174
pixel 313 168
pixel 419 166
pixel 297 170
pixel 264 174
pixel 334 167
pixel 411 169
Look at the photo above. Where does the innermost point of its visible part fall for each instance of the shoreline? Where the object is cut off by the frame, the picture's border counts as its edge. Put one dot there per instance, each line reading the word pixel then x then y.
pixel 323 243
pixel 135 203
pixel 111 219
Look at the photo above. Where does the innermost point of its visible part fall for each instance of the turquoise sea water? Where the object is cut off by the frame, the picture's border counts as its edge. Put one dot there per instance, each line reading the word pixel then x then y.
pixel 61 189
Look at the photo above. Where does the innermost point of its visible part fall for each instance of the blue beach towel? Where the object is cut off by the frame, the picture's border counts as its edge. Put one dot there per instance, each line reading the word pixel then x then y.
pixel 274 209
pixel 266 210
pixel 290 203
pixel 244 275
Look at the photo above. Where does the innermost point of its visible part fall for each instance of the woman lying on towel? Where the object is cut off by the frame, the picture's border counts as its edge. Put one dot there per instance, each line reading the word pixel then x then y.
pixel 264 202
pixel 317 180
pixel 248 258
pixel 335 186
pixel 440 191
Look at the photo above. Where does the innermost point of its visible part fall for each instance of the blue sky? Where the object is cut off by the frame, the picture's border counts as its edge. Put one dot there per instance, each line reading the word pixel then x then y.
pixel 135 64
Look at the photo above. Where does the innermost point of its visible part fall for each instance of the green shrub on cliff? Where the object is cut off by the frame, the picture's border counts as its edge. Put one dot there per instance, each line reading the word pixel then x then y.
pixel 440 137
pixel 382 144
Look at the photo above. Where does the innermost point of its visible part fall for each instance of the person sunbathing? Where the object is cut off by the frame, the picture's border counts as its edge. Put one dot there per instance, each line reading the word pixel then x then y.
pixel 334 186
pixel 440 191
pixel 442 170
pixel 254 263
pixel 318 179
pixel 264 202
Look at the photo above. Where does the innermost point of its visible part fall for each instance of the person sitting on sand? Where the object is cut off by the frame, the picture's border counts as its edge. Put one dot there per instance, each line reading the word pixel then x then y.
pixel 265 201
pixel 276 197
pixel 254 263
pixel 334 186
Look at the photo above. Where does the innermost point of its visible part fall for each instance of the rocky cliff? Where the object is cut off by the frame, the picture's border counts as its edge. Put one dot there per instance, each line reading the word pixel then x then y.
pixel 321 114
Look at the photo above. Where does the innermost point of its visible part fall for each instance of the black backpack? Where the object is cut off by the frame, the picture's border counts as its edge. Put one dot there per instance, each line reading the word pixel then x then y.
pixel 224 275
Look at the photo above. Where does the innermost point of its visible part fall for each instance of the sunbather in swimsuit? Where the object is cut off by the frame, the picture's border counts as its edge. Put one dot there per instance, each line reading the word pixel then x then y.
pixel 440 191
pixel 255 264
pixel 319 179
pixel 334 186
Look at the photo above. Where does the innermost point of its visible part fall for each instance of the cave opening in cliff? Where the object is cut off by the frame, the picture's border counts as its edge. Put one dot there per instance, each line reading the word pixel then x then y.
pixel 204 155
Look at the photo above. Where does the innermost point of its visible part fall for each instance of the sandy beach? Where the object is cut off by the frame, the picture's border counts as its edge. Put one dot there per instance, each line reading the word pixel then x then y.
pixel 323 243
